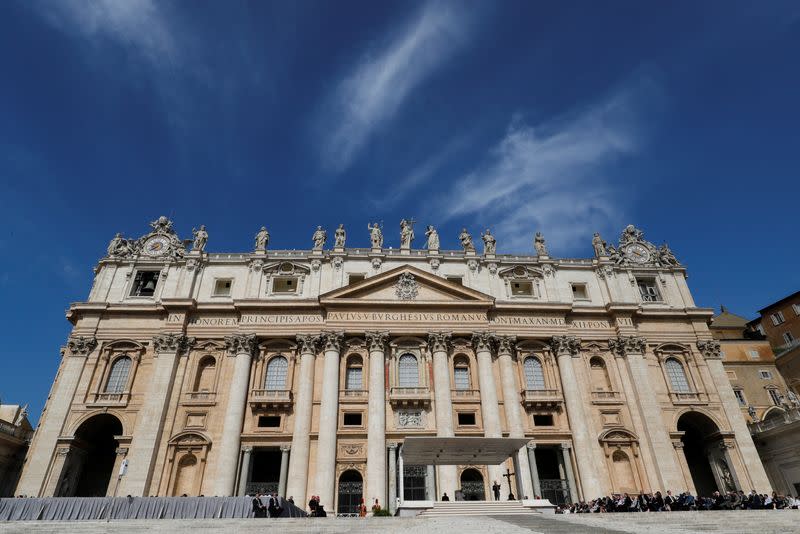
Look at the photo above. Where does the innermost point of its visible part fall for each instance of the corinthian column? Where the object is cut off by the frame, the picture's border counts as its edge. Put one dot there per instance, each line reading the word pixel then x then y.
pixel 242 347
pixel 516 428
pixel 482 341
pixel 328 419
pixel 150 420
pixel 565 347
pixel 301 436
pixel 54 415
pixel 438 343
pixel 633 348
pixel 376 430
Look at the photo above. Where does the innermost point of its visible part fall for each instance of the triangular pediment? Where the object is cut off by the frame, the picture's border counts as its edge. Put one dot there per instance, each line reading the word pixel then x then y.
pixel 406 285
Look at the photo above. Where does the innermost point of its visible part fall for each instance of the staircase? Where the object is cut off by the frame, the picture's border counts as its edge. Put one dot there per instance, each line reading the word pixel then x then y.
pixel 477 508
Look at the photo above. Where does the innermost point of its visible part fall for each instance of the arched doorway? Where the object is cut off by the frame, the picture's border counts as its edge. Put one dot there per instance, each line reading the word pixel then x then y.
pixel 351 491
pixel 623 472
pixel 700 436
pixel 472 485
pixel 91 460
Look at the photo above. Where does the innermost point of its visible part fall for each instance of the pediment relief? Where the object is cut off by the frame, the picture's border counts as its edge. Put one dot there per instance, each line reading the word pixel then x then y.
pixel 286 268
pixel 408 285
pixel 521 272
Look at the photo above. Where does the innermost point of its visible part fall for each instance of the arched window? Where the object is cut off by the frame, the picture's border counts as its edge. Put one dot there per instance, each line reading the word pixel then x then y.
pixel 276 374
pixel 354 379
pixel 599 374
pixel 677 376
pixel 534 374
pixel 461 373
pixel 205 374
pixel 408 371
pixel 118 377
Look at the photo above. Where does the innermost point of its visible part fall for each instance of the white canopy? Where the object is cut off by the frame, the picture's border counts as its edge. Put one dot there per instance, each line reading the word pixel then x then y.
pixel 459 450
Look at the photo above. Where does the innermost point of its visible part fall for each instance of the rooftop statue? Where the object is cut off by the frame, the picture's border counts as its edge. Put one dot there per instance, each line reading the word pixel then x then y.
pixel 666 257
pixel 200 238
pixel 119 247
pixel 262 239
pixel 375 235
pixel 538 244
pixel 599 245
pixel 466 241
pixel 433 238
pixel 162 225
pixel 339 237
pixel 406 233
pixel 489 242
pixel 319 238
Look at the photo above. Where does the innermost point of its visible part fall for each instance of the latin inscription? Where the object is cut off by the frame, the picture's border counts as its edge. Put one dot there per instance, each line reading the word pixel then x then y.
pixel 530 321
pixel 440 317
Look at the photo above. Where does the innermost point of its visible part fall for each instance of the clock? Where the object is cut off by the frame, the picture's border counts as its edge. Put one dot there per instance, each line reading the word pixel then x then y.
pixel 637 253
pixel 158 245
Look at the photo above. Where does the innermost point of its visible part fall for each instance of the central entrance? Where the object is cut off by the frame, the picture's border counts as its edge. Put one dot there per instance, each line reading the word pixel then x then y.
pixel 472 487
pixel 351 491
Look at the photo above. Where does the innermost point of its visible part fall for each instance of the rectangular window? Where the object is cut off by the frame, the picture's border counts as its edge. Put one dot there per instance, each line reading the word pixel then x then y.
pixel 455 279
pixel 760 329
pixel 284 285
pixel 775 396
pixel 788 338
pixel 461 377
pixel 753 354
pixel 777 318
pixel 354 380
pixel 740 397
pixel 466 418
pixel 352 419
pixel 269 421
pixel 796 309
pixel 542 420
pixel 764 374
pixel 222 287
pixel 144 283
pixel 355 277
pixel 579 292
pixel 648 290
pixel 522 289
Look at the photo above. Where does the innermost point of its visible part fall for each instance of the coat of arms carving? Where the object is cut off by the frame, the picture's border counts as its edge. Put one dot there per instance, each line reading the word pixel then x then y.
pixel 406 287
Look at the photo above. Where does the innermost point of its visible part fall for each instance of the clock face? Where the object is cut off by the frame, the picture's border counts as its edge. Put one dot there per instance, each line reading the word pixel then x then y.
pixel 156 246
pixel 637 253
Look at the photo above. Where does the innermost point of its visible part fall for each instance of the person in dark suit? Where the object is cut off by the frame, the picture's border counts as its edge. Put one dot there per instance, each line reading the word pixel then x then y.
pixel 496 490
pixel 445 498
pixel 258 506
pixel 274 505
pixel 313 502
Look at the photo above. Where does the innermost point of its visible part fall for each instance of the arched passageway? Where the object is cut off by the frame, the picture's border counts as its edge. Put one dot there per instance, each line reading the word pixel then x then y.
pixel 472 485
pixel 89 466
pixel 351 491
pixel 700 438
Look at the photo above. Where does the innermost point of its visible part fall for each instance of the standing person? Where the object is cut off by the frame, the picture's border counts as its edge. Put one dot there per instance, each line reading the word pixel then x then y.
pixel 376 507
pixel 496 490
pixel 313 502
pixel 445 498
pixel 258 506
pixel 362 509
pixel 274 505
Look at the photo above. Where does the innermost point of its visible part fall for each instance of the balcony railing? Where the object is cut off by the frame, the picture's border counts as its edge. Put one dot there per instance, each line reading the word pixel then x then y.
pixel 541 398
pixel 353 395
pixel 409 396
pixel 685 397
pixel 786 347
pixel 465 395
pixel 272 398
pixel 109 399
pixel 200 397
pixel 775 421
pixel 609 397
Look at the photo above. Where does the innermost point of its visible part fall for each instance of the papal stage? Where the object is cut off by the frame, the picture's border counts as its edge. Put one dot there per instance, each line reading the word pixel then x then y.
pixel 304 372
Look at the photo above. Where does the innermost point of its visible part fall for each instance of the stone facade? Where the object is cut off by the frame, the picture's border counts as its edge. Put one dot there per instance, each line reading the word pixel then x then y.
pixel 304 371
pixel 15 434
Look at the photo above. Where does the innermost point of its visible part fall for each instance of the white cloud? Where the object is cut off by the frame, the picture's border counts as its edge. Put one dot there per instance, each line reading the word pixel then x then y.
pixel 376 88
pixel 139 25
pixel 553 177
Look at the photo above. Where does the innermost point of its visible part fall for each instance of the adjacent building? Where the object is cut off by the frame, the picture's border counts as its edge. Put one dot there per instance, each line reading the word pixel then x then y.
pixel 15 434
pixel 303 372
pixel 780 323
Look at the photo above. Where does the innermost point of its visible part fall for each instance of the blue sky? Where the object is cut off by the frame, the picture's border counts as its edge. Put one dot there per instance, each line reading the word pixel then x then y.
pixel 566 117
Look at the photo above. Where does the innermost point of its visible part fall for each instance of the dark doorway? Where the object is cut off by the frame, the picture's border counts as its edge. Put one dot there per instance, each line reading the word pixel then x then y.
pixel 265 471
pixel 351 489
pixel 91 461
pixel 698 436
pixel 472 485
pixel 553 483
pixel 414 482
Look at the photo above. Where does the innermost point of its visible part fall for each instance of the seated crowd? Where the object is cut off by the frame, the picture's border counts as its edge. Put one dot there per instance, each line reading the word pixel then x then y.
pixel 733 500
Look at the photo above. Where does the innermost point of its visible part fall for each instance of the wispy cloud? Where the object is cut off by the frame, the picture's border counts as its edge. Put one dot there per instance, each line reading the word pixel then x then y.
pixel 140 25
pixel 554 177
pixel 376 88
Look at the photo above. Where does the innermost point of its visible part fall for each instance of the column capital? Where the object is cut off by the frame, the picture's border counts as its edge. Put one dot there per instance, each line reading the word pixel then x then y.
pixel 241 344
pixel 565 345
pixel 81 346
pixel 623 346
pixel 505 345
pixel 531 446
pixel 392 445
pixel 482 341
pixel 439 341
pixel 247 449
pixel 307 343
pixel 566 446
pixel 172 343
pixel 286 448
pixel 121 451
pixel 376 341
pixel 710 349
pixel 332 340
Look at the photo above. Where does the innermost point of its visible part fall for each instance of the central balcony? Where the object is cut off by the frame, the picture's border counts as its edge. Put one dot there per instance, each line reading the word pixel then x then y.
pixel 271 399
pixel 541 398
pixel 109 399
pixel 353 395
pixel 465 395
pixel 200 398
pixel 688 397
pixel 416 396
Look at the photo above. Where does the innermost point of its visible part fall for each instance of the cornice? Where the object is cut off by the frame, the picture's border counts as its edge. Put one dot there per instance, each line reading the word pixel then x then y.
pixel 547 307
